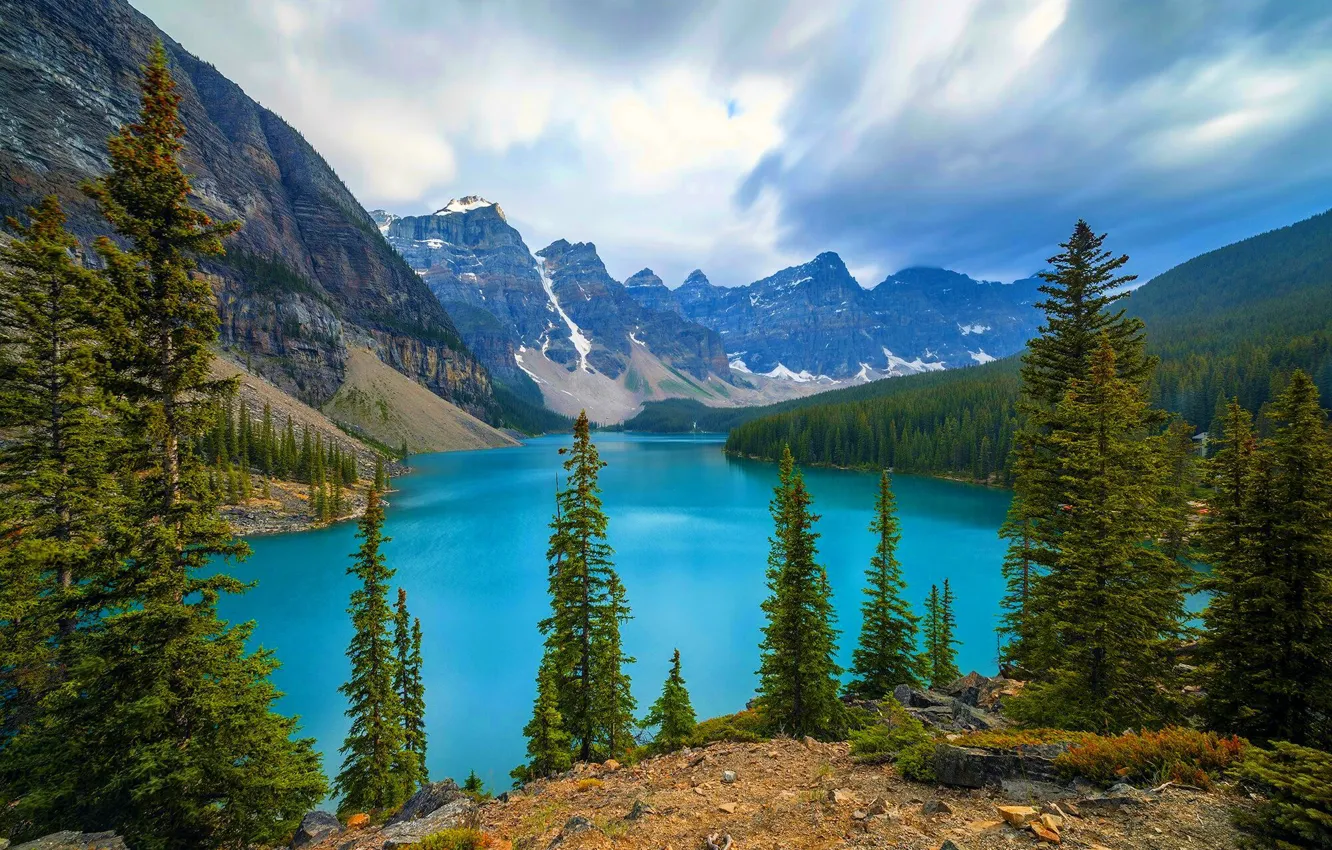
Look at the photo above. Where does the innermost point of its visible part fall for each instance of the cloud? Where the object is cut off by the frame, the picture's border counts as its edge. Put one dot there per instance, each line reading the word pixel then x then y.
pixel 742 136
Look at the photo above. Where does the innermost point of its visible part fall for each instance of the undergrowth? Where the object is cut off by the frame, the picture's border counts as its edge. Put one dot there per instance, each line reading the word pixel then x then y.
pixel 1173 754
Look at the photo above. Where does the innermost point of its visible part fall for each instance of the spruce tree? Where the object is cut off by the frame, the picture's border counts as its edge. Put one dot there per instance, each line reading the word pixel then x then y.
pixel 1114 600
pixel 60 502
pixel 1269 538
pixel 798 671
pixel 548 744
pixel 372 778
pixel 583 651
pixel 164 730
pixel 410 688
pixel 886 656
pixel 939 659
pixel 931 633
pixel 672 714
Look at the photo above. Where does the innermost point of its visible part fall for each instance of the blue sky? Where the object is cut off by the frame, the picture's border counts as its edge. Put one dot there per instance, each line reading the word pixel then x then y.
pixel 745 136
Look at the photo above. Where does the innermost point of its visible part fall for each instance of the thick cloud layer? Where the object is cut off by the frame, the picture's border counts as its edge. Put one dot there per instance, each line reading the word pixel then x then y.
pixel 744 136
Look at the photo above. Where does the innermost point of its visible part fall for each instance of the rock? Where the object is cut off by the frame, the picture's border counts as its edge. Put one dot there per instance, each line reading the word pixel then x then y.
pixel 728 776
pixel 1050 821
pixel 859 815
pixel 70 840
pixel 1018 816
pixel 700 792
pixel 809 742
pixel 950 844
pixel 973 767
pixel 611 764
pixel 877 806
pixel 404 833
pixel 573 826
pixel 728 808
pixel 967 688
pixel 841 797
pixel 358 820
pixel 1109 802
pixel 1049 836
pixel 912 698
pixel 640 810
pixel 936 807
pixel 976 827
pixel 1052 808
pixel 430 798
pixel 315 826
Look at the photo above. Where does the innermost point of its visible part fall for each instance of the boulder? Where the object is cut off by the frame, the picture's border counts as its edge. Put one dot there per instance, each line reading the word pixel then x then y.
pixel 975 767
pixel 1045 834
pixel 728 776
pixel 405 833
pixel 314 827
pixel 912 698
pixel 428 799
pixel 841 797
pixel 1018 816
pixel 70 840
pixel 936 807
pixel 573 826
pixel 967 688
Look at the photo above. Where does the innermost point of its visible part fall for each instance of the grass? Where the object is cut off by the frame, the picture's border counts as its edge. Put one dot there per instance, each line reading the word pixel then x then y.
pixel 461 838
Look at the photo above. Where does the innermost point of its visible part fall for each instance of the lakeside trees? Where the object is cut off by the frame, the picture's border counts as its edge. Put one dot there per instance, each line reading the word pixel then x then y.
pixel 672 714
pixel 162 724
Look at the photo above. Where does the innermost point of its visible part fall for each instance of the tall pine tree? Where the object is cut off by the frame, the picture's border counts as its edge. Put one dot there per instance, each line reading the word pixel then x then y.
pixel 886 656
pixel 798 671
pixel 410 687
pixel 1269 539
pixel 164 728
pixel 372 778
pixel 939 659
pixel 548 744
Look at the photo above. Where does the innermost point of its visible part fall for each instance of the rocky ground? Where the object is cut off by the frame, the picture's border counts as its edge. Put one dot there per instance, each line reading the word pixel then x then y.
pixel 786 794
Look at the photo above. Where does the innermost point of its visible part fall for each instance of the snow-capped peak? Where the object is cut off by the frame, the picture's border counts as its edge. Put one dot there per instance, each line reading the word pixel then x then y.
pixel 465 204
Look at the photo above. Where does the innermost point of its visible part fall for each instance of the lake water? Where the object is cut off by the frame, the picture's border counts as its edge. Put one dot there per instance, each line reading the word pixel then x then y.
pixel 690 529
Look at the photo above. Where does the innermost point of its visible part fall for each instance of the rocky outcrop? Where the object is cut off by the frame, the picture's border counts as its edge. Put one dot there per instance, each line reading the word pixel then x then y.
pixel 75 841
pixel 975 767
pixel 816 320
pixel 308 270
pixel 958 707
pixel 315 827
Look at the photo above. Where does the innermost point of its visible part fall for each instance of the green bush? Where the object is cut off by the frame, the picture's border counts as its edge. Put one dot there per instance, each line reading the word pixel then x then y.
pixel 887 740
pixel 916 762
pixel 461 838
pixel 744 727
pixel 1297 811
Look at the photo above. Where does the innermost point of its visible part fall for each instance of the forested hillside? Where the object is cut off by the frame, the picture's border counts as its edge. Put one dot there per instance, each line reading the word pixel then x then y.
pixel 1237 321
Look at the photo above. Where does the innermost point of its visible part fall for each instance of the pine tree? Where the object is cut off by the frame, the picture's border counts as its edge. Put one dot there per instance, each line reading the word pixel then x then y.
pixel 944 668
pixel 548 744
pixel 372 778
pixel 60 501
pixel 407 683
pixel 931 636
pixel 1082 288
pixel 672 714
pixel 583 650
pixel 1269 538
pixel 886 656
pixel 1114 600
pixel 797 673
pixel 163 701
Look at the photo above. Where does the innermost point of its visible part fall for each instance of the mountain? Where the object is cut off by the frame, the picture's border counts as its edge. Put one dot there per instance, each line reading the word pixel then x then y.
pixel 306 277
pixel 815 320
pixel 1234 322
pixel 554 327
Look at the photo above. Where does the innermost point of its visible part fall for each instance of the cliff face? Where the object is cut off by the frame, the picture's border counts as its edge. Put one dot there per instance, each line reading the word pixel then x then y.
pixel 307 274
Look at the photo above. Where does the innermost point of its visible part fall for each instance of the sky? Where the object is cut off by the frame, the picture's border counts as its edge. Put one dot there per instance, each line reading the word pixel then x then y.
pixel 742 137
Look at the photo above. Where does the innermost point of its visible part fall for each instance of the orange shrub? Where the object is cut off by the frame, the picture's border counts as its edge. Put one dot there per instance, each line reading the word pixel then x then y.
pixel 1005 739
pixel 589 784
pixel 1176 754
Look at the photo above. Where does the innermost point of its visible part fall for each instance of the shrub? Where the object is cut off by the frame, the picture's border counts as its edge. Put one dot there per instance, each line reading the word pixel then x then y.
pixel 1174 753
pixel 916 762
pixel 745 727
pixel 1297 811
pixel 456 839
pixel 589 784
pixel 886 739
pixel 1007 739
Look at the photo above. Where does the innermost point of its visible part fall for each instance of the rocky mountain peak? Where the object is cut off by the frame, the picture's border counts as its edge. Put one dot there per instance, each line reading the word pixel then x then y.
pixel 696 280
pixel 467 204
pixel 644 277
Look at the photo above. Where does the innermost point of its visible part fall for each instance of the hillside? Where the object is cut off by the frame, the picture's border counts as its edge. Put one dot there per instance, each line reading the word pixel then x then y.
pixel 306 276
pixel 394 411
pixel 1234 321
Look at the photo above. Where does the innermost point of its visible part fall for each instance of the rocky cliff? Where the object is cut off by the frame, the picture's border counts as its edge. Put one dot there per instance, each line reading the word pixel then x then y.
pixel 308 272
pixel 815 322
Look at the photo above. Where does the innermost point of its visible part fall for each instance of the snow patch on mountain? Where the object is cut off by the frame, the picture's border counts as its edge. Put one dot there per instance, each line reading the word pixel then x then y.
pixel 973 329
pixel 581 343
pixel 897 366
pixel 981 357
pixel 464 205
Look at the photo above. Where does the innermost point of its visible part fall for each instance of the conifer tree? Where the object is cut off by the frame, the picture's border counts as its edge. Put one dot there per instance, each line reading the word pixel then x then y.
pixel 886 656
pixel 60 499
pixel 410 688
pixel 372 778
pixel 163 701
pixel 381 477
pixel 798 671
pixel 587 605
pixel 940 656
pixel 1269 538
pixel 672 714
pixel 1115 601
pixel 548 744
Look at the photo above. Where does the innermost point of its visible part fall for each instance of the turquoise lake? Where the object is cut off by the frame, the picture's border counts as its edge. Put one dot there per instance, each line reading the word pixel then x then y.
pixel 690 529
